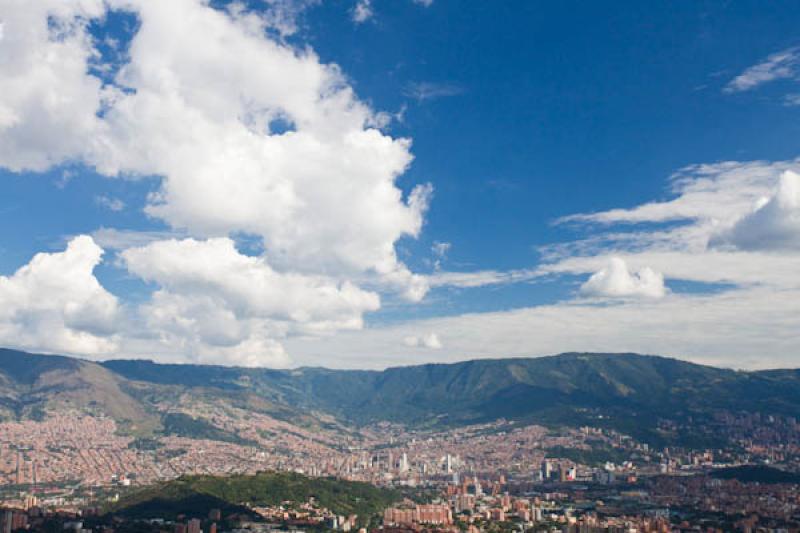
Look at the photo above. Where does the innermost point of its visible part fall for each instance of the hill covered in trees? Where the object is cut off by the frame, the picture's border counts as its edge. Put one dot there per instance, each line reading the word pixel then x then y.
pixel 193 496
pixel 627 392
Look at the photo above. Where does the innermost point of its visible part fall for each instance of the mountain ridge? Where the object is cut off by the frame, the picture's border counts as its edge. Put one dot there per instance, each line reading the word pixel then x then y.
pixel 628 392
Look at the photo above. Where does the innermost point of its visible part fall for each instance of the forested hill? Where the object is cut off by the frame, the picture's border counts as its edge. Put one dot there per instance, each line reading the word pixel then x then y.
pixel 628 391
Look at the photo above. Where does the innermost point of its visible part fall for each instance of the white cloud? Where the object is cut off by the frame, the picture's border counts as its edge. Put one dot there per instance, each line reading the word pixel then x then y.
pixel 362 11
pixel 47 101
pixel 54 303
pixel 283 15
pixel 774 223
pixel 712 226
pixel 249 136
pixel 213 300
pixel 481 278
pixel 430 341
pixel 120 239
pixel 110 203
pixel 715 194
pixel 739 308
pixel 439 250
pixel 791 100
pixel 752 328
pixel 423 91
pixel 616 281
pixel 321 195
pixel 779 65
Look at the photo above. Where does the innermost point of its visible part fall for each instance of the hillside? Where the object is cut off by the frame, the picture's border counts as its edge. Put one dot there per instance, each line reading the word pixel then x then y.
pixel 757 474
pixel 628 392
pixel 31 384
pixel 195 495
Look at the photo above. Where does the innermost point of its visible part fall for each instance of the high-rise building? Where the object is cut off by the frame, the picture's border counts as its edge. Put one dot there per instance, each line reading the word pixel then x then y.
pixel 404 463
pixel 194 526
pixel 547 470
pixel 8 516
pixel 20 476
pixel 420 514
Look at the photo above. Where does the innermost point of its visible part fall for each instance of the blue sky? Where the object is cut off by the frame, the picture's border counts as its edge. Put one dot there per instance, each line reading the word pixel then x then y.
pixel 368 183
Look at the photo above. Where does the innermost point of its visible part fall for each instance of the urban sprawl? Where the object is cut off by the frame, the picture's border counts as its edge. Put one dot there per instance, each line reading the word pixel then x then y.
pixel 481 478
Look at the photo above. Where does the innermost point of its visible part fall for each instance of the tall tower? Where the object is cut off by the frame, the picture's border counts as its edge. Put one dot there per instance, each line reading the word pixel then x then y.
pixel 547 470
pixel 20 475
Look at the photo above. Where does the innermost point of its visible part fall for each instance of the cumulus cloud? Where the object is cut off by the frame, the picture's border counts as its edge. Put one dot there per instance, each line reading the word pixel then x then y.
pixel 247 134
pixel 321 194
pixel 430 341
pixel 47 101
pixel 739 308
pixel 730 306
pixel 709 194
pixel 54 303
pixel 774 223
pixel 704 234
pixel 212 299
pixel 617 281
pixel 776 66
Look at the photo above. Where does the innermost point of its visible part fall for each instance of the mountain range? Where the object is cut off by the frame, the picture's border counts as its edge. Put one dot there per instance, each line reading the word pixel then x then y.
pixel 628 392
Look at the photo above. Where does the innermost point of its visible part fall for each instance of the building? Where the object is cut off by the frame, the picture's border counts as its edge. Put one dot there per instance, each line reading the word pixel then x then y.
pixel 420 514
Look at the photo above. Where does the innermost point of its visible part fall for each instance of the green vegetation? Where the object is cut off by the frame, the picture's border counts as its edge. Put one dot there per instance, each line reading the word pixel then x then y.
pixel 183 425
pixel 757 474
pixel 626 392
pixel 144 444
pixel 195 495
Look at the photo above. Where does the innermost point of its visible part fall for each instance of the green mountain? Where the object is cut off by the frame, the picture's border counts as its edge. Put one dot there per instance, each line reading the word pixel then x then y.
pixel 628 392
pixel 193 496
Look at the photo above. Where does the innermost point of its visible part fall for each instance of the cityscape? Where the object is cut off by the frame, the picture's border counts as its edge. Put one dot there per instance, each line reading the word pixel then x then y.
pixel 399 266
pixel 504 475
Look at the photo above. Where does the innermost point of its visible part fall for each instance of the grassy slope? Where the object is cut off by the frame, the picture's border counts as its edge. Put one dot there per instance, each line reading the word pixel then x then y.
pixel 195 495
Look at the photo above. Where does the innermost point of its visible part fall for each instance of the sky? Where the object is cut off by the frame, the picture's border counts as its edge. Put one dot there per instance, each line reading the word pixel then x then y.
pixel 371 183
